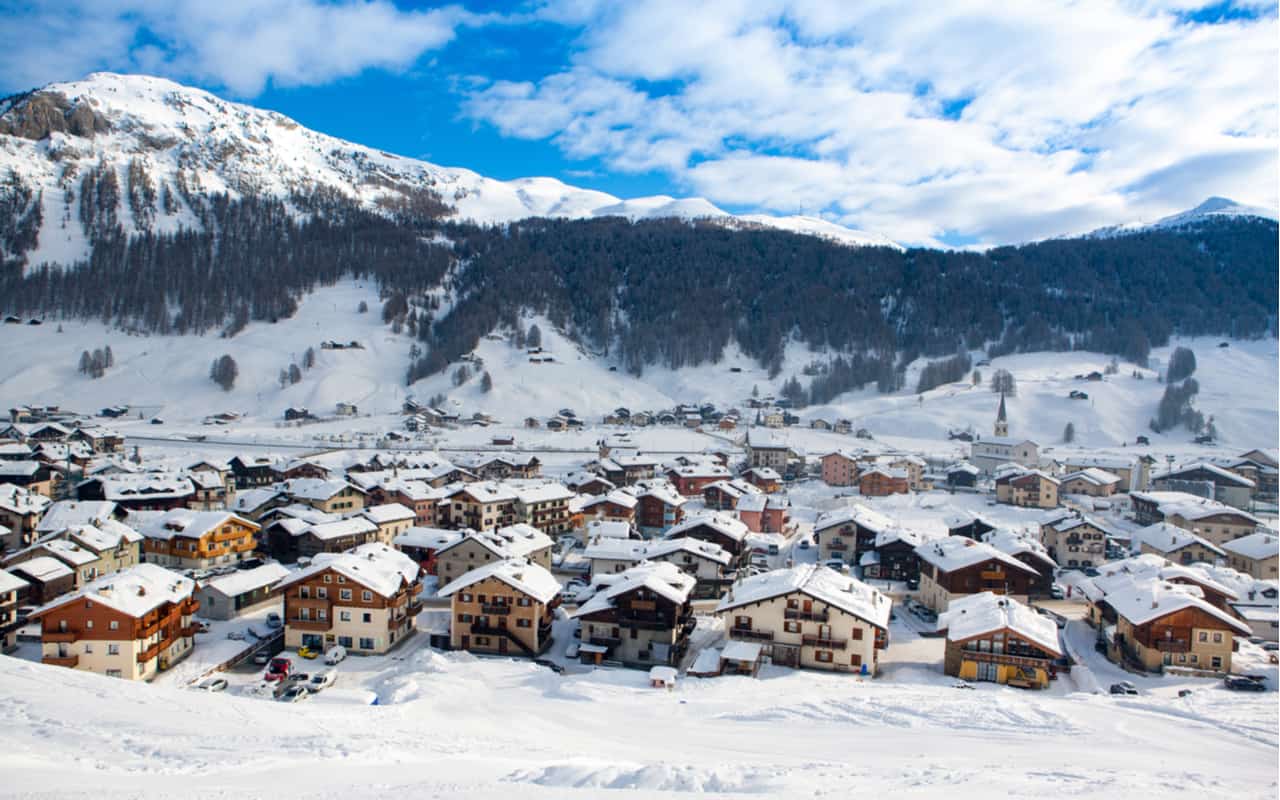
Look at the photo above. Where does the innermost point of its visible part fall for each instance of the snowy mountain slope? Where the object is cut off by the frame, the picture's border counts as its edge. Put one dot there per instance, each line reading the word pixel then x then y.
pixel 164 144
pixel 1211 209
pixel 169 376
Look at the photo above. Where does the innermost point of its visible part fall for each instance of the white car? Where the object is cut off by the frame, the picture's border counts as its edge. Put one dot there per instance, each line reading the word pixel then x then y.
pixel 295 694
pixel 322 680
pixel 335 654
pixel 213 684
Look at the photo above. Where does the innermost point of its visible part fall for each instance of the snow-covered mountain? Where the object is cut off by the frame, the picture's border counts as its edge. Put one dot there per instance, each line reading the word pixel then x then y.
pixel 1215 208
pixel 157 146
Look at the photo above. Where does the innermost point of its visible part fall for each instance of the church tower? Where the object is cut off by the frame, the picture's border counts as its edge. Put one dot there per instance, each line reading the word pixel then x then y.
pixel 1002 420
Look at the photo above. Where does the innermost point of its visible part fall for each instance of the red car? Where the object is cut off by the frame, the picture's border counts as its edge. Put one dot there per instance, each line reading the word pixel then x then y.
pixel 278 669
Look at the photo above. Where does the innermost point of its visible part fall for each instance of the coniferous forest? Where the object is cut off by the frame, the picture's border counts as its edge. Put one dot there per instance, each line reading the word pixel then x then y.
pixel 668 292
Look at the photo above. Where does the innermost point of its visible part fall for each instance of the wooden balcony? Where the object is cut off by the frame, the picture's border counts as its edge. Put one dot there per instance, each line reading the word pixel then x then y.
pixel 993 575
pixel 837 547
pixel 310 624
pixel 825 644
pixel 58 637
pixel 605 641
pixel 812 616
pixel 1172 645
pixel 1006 658
pixel 62 661
pixel 500 610
pixel 151 652
pixel 751 635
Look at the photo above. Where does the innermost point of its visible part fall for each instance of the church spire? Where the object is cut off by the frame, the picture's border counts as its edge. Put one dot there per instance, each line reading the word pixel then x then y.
pixel 1002 419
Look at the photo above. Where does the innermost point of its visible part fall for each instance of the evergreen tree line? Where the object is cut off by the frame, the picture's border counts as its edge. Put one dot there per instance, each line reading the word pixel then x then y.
pixel 666 292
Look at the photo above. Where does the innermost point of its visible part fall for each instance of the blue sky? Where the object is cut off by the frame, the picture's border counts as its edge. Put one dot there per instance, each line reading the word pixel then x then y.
pixel 978 122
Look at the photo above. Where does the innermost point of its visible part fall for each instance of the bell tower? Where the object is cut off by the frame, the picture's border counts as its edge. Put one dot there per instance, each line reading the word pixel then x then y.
pixel 1002 420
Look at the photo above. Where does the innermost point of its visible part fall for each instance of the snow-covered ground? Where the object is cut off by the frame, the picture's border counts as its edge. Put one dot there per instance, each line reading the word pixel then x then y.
pixel 452 725
pixel 169 377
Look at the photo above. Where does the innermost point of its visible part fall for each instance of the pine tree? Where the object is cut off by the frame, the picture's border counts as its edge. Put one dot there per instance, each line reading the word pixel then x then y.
pixel 284 378
pixel 1182 364
pixel 86 361
pixel 309 358
pixel 486 383
pixel 533 340
pixel 1069 433
pixel 363 308
pixel 295 374
pixel 224 372
pixel 461 375
pixel 110 359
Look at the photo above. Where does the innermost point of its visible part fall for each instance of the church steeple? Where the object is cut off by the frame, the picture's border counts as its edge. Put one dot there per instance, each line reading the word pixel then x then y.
pixel 1002 419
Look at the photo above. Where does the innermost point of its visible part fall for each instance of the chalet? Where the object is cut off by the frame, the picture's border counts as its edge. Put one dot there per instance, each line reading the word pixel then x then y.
pixel 1260 467
pixel 1155 625
pixel 997 639
pixel 1217 522
pixel 1257 554
pixel 332 495
pixel 334 536
pixel 419 496
pixel 1075 541
pixel 185 539
pixel 690 480
pixel 1133 471
pixel 717 528
pixel 892 556
pixel 809 616
pixel 145 491
pixel 13 593
pixel 47 577
pixel 34 476
pixel 849 532
pixel 481 506
pixel 987 454
pixel 883 481
pixel 589 483
pixel 476 549
pixel 391 520
pixel 254 503
pixel 1027 488
pixel 90 550
pixel 504 608
pixel 819 424
pixel 423 545
pixel 229 596
pixel 1207 480
pixel 964 523
pixel 616 506
pixel 302 468
pixel 955 566
pixel 765 513
pixel 658 505
pixel 99 439
pixel 292 414
pixel 639 617
pixel 962 475
pixel 544 505
pixel 724 495
pixel 766 479
pixel 1176 544
pixel 132 624
pixel 20 513
pixel 765 449
pixel 503 467
pixel 840 468
pixel 623 469
pixel 708 563
pixel 1029 551
pixel 252 471
pixel 364 600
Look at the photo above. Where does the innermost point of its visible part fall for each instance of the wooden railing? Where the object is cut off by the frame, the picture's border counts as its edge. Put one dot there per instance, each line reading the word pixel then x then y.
pixel 1172 645
pixel 1005 658
pixel 59 637
pixel 751 635
pixel 62 661
pixel 825 643
pixel 813 616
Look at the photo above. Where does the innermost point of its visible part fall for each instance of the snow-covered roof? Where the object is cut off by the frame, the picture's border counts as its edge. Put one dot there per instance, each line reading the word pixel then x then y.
pixel 148 485
pixel 657 548
pixel 662 578
pixel 1016 544
pixel 617 497
pixel 1146 600
pixel 736 487
pixel 251 500
pixel 247 580
pixel 511 541
pixel 1093 475
pixel 44 568
pixel 315 488
pixel 165 525
pixel 1169 538
pixel 951 553
pixel 731 527
pixel 387 512
pixel 984 613
pixel 764 473
pixel 18 500
pixel 541 492
pixel 608 529
pixel 1151 566
pixel 858 514
pixel 10 582
pixel 615 549
pixel 337 529
pixel 134 591
pixel 485 492
pixel 1189 506
pixel 1003 441
pixel 374 565
pixel 428 538
pixel 659 488
pixel 893 473
pixel 741 651
pixel 1219 474
pixel 523 576
pixel 817 582
pixel 65 513
pixel 1106 462
pixel 1258 546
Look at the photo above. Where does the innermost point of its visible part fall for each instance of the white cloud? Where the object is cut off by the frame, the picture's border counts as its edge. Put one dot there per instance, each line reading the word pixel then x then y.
pixel 1074 115
pixel 236 44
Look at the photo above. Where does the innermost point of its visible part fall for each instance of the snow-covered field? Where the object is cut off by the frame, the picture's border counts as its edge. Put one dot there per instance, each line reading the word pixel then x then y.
pixel 452 725
pixel 169 376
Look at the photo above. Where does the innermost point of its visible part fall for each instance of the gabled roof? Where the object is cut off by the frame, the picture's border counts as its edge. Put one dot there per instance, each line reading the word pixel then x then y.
pixel 817 582
pixel 662 578
pixel 1258 546
pixel 485 492
pixel 730 527
pixel 616 497
pixel 133 592
pixel 65 513
pixel 1016 544
pixel 1170 538
pixel 387 512
pixel 525 577
pixel 1189 506
pixel 1220 475
pixel 247 580
pixel 970 616
pixel 316 488
pixel 1093 475
pixel 341 528
pixel 19 500
pixel 951 553
pixel 858 514
pixel 374 566
pixel 165 525
pixel 512 541
pixel 10 582
pixel 1147 600
pixel 428 538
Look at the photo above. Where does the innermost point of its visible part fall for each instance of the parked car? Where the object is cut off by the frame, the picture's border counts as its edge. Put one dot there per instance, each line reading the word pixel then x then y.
pixel 335 654
pixel 261 658
pixel 1124 687
pixel 236 635
pixel 213 684
pixel 1271 646
pixel 322 680
pixel 250 563
pixel 773 549
pixel 274 621
pixel 295 693
pixel 1244 683
pixel 278 669
pixel 804 544
pixel 1057 592
pixel 913 584
pixel 308 653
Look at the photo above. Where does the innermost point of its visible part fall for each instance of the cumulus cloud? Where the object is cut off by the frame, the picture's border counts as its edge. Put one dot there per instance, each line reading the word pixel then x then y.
pixel 987 120
pixel 239 45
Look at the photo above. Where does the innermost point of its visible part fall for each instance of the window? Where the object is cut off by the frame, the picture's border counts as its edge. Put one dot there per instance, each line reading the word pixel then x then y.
pixel 857 634
pixel 304 592
pixel 367 597
pixel 792 602
pixel 524 623
pixel 1217 638
pixel 1204 636
pixel 822 656
pixel 341 579
pixel 345 641
pixel 344 616
pixel 366 643
pixel 114 625
pixel 344 594
pixel 1195 659
pixel 464 618
pixel 791 626
pixel 742 622
pixel 114 673
pixel 321 614
pixel 1216 662
pixel 322 593
pixel 465 597
pixel 88 649
pixel 366 617
pixel 88 624
pixel 855 660
pixel 524 602
pixel 113 649
pixel 328 578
